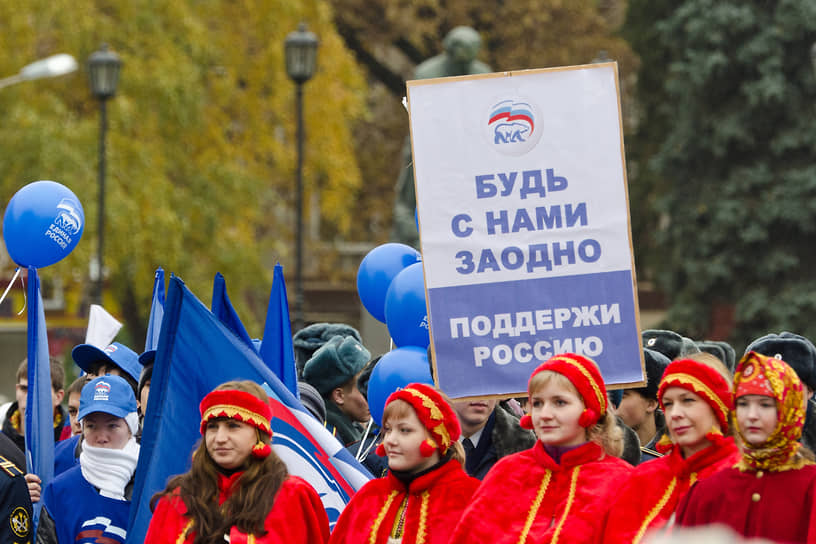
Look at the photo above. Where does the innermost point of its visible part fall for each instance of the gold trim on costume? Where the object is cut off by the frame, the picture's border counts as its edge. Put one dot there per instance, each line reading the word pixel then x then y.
pixel 545 482
pixel 423 517
pixel 183 536
pixel 598 395
pixel 230 410
pixel 699 386
pixel 570 499
pixel 655 511
pixel 436 415
pixel 375 527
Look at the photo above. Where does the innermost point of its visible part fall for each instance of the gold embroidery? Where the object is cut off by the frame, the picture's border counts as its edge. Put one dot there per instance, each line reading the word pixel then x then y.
pixel 545 482
pixel 423 517
pixel 570 498
pixel 372 538
pixel 700 387
pixel 247 416
pixel 655 511
pixel 598 395
pixel 183 536
pixel 436 415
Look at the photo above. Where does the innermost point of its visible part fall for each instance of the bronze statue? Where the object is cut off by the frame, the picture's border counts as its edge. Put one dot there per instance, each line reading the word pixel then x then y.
pixel 459 58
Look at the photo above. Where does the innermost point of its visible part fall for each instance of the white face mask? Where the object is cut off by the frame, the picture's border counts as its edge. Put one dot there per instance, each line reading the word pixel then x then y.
pixel 108 469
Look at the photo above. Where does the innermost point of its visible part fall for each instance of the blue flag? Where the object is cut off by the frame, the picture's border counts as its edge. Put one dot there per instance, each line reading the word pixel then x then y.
pixel 156 312
pixel 196 353
pixel 223 310
pixel 277 350
pixel 39 414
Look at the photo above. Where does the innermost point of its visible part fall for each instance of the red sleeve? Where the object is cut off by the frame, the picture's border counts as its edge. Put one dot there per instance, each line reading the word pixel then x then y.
pixel 166 524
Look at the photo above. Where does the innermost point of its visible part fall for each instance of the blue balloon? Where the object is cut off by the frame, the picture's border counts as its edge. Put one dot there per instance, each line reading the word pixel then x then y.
pixel 376 271
pixel 406 314
pixel 393 371
pixel 43 224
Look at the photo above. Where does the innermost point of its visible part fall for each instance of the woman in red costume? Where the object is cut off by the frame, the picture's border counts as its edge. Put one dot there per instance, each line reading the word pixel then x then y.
pixel 696 398
pixel 771 493
pixel 238 489
pixel 560 489
pixel 426 488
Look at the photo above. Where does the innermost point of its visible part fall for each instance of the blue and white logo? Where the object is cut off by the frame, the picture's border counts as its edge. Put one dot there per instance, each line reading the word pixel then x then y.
pixel 513 126
pixel 68 218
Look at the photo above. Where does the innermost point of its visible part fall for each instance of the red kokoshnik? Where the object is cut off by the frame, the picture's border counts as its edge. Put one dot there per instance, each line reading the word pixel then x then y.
pixel 240 406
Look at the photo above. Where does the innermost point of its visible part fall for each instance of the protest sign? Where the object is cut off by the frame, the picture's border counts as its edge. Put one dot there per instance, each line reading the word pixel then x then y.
pixel 524 225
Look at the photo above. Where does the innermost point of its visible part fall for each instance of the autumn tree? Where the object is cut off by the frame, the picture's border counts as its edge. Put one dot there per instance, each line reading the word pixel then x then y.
pixel 201 144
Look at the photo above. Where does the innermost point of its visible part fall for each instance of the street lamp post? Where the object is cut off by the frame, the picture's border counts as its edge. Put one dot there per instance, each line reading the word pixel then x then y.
pixel 301 56
pixel 103 69
pixel 53 66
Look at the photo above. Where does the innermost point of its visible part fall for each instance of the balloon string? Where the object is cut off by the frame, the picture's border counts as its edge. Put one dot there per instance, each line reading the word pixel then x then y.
pixel 370 446
pixel 362 442
pixel 25 296
pixel 16 273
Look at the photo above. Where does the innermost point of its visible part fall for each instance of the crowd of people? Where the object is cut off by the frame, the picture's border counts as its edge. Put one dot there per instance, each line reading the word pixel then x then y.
pixel 707 441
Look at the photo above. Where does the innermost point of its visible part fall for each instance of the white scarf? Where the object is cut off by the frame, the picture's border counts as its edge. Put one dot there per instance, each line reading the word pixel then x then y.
pixel 109 470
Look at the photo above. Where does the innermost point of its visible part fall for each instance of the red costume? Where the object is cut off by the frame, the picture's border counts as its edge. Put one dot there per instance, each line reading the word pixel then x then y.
pixel 651 495
pixel 426 509
pixel 429 507
pixel 297 516
pixel 771 493
pixel 528 497
pixel 780 506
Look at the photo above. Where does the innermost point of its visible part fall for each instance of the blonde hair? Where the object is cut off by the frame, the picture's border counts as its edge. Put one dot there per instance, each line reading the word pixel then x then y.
pixel 399 409
pixel 605 432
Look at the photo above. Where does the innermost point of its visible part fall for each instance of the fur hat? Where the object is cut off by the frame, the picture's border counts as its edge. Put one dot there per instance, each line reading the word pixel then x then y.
pixel 669 343
pixel 338 361
pixel 721 350
pixel 703 380
pixel 309 339
pixel 583 373
pixel 655 363
pixel 796 350
pixel 240 406
pixel 436 416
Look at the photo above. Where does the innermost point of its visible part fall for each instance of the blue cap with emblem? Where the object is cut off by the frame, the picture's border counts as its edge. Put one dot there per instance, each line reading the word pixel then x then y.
pixel 109 394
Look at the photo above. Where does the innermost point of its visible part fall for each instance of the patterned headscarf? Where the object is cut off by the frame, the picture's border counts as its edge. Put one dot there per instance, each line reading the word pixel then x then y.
pixel 761 375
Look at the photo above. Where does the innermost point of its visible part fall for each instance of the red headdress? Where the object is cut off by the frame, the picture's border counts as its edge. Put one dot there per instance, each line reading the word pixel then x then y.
pixel 705 381
pixel 436 416
pixel 582 373
pixel 772 377
pixel 241 406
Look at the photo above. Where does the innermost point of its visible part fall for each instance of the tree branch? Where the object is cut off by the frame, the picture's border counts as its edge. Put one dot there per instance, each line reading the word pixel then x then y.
pixel 382 73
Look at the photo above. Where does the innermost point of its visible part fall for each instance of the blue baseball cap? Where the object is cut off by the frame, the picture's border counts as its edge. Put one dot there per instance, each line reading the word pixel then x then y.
pixel 87 355
pixel 109 394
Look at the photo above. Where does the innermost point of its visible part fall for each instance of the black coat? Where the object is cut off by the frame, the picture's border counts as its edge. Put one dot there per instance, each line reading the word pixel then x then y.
pixel 501 437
